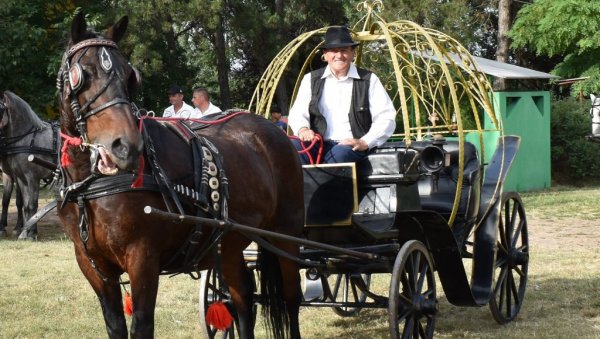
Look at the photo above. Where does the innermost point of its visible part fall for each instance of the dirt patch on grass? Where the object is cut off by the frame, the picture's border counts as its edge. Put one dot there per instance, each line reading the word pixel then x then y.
pixel 563 233
pixel 544 233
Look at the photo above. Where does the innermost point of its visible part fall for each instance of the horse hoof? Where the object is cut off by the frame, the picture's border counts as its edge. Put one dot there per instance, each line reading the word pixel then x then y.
pixel 3 234
pixel 17 231
pixel 25 236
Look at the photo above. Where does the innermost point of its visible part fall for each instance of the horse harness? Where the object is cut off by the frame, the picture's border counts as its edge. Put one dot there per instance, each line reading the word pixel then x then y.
pixel 7 143
pixel 208 196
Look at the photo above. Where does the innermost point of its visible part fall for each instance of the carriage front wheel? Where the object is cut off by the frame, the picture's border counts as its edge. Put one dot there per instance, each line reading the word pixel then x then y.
pixel 413 304
pixel 512 260
pixel 212 290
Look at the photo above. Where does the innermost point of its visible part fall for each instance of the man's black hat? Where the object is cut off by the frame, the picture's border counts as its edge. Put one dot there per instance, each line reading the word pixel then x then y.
pixel 174 90
pixel 338 36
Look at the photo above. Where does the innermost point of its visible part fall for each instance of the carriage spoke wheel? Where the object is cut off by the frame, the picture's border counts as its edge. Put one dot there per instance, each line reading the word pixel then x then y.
pixel 212 290
pixel 512 260
pixel 347 289
pixel 413 304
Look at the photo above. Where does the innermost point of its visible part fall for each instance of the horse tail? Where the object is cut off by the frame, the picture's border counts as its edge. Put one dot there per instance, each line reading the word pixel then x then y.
pixel 271 288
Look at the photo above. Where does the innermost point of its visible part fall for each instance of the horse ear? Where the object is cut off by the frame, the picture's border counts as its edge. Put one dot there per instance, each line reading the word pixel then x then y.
pixel 78 27
pixel 116 31
pixel 135 80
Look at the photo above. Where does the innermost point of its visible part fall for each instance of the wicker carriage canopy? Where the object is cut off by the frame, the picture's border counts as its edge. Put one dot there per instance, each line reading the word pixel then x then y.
pixel 431 96
pixel 434 82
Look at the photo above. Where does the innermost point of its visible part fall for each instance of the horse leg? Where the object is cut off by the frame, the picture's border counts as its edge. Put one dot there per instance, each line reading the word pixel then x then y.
pixel 241 287
pixel 292 292
pixel 30 192
pixel 144 277
pixel 108 293
pixel 7 184
pixel 19 202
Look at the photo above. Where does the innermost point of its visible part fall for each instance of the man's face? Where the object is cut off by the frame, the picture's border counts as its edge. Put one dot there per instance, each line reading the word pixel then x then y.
pixel 176 99
pixel 196 100
pixel 339 59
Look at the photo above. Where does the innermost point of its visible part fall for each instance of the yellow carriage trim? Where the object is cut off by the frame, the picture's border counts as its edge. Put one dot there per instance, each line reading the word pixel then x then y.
pixel 435 84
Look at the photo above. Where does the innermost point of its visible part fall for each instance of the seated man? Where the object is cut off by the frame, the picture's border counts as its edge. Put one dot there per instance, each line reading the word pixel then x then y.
pixel 347 106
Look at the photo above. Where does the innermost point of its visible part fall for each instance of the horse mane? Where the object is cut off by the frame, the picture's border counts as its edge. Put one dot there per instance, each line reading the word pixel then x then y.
pixel 22 108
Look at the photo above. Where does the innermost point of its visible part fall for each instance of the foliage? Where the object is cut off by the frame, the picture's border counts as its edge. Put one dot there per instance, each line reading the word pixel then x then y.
pixel 574 159
pixel 569 28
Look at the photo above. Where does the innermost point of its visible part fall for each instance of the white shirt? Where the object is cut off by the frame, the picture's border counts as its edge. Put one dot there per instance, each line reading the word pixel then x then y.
pixel 210 110
pixel 185 112
pixel 335 103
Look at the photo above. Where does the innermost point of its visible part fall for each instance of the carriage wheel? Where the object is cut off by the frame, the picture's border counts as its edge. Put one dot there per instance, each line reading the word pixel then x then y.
pixel 346 289
pixel 413 304
pixel 512 260
pixel 212 290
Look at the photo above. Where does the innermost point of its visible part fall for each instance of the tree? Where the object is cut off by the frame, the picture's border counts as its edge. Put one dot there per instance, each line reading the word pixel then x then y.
pixel 568 29
pixel 504 21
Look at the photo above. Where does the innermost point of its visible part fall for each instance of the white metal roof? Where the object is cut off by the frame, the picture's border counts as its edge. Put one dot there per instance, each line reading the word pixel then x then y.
pixel 508 71
pixel 496 68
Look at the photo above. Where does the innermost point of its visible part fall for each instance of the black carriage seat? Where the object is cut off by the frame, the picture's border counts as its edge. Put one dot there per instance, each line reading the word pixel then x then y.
pixel 386 184
pixel 388 160
pixel 441 199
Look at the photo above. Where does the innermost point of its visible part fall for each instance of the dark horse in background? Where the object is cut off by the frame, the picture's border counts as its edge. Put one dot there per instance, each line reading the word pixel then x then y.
pixel 23 133
pixel 113 235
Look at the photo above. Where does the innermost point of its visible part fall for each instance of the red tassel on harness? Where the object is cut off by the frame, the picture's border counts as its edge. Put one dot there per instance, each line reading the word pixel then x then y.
pixel 218 316
pixel 128 304
pixel 65 158
pixel 139 179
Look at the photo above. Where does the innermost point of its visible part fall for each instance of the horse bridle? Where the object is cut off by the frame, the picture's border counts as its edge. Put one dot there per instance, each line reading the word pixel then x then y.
pixel 71 79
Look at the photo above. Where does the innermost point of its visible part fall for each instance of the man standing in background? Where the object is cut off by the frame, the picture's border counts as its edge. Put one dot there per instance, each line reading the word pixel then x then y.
pixel 201 101
pixel 178 108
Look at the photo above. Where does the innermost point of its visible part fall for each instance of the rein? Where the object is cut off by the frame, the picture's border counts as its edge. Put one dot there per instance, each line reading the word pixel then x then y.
pixel 200 121
pixel 306 149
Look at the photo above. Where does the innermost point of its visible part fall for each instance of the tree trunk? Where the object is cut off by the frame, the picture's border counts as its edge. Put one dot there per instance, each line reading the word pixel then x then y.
pixel 282 97
pixel 222 65
pixel 504 21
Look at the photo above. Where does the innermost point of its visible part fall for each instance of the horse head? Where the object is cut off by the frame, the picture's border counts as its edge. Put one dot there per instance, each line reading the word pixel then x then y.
pixel 95 83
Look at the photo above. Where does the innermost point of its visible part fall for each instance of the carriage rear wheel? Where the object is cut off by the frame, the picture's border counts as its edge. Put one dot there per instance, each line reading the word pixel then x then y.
pixel 212 290
pixel 512 260
pixel 348 288
pixel 413 304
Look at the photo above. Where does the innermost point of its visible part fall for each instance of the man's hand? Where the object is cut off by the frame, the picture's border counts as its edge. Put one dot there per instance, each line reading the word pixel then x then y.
pixel 357 144
pixel 306 134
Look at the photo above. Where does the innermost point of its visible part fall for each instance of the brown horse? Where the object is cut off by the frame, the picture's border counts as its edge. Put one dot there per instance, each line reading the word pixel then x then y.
pixel 105 218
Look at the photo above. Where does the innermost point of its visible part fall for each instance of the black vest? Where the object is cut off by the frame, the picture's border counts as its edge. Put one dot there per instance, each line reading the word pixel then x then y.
pixel 359 115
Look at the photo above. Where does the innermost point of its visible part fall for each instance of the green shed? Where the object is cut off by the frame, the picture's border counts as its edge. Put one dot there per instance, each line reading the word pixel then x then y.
pixel 523 113
pixel 526 114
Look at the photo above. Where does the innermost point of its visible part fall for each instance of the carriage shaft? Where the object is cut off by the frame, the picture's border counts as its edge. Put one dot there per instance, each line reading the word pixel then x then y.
pixel 193 220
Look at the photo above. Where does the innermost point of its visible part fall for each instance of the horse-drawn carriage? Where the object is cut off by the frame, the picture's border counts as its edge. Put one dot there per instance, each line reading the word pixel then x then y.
pixel 422 203
pixel 388 214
